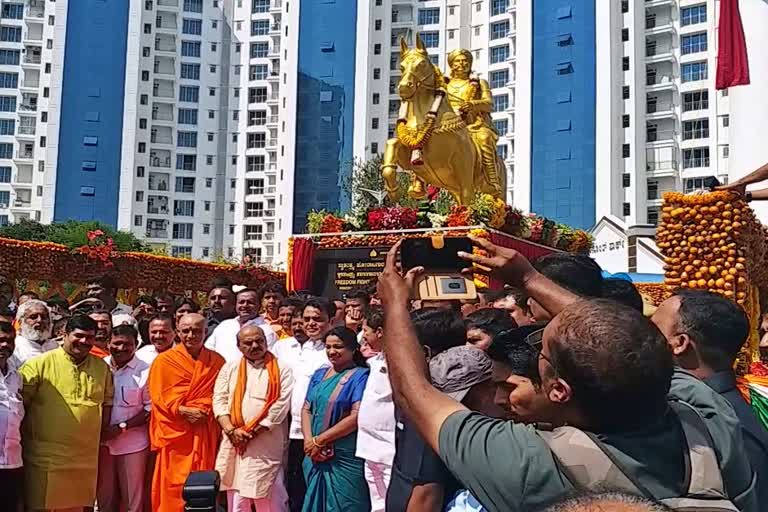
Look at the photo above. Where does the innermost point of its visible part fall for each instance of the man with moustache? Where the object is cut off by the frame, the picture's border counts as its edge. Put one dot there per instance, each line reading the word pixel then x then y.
pixel 224 338
pixel 161 337
pixel 11 414
pixel 103 319
pixel 221 306
pixel 183 430
pixel 68 398
pixel 251 400
pixel 34 336
pixel 125 443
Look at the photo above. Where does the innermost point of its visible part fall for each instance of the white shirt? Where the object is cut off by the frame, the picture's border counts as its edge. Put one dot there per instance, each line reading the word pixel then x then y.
pixel 131 398
pixel 122 309
pixel 376 417
pixel 148 354
pixel 11 414
pixel 26 349
pixel 304 360
pixel 224 337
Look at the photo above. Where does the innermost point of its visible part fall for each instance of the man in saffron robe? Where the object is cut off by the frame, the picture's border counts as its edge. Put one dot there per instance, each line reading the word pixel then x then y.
pixel 183 430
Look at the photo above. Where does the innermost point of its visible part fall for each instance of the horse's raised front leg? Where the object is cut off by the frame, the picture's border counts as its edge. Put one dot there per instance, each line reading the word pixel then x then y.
pixel 389 169
pixel 417 188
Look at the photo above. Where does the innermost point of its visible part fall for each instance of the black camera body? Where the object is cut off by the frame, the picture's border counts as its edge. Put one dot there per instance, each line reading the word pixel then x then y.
pixel 201 491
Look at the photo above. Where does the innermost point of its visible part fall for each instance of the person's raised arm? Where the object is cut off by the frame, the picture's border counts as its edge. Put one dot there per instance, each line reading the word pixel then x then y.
pixel 514 269
pixel 425 406
pixel 739 186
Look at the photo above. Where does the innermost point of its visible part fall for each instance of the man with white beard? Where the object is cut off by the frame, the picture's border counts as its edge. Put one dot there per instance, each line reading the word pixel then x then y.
pixel 34 337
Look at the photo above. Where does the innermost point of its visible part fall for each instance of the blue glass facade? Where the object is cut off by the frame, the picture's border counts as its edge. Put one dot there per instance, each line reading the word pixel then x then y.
pixel 92 111
pixel 563 111
pixel 325 106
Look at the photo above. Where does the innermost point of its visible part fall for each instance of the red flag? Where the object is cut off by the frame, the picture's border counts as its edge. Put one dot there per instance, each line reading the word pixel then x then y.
pixel 732 63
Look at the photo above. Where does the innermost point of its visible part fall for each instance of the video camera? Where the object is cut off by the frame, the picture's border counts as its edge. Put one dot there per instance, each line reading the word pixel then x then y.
pixel 201 491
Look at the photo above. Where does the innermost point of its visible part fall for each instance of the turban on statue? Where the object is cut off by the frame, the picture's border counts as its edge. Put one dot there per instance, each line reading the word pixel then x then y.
pixel 460 51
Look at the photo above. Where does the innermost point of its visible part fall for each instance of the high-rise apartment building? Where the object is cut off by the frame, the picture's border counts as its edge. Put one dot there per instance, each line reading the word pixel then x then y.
pixel 29 51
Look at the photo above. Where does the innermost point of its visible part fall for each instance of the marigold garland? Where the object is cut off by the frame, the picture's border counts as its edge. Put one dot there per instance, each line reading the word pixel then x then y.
pixel 418 137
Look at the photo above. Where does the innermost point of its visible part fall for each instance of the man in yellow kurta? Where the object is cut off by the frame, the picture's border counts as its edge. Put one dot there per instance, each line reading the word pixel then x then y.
pixel 67 394
pixel 251 400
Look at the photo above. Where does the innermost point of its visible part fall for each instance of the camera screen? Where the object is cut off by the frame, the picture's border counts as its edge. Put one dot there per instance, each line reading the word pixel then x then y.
pixel 452 285
pixel 419 252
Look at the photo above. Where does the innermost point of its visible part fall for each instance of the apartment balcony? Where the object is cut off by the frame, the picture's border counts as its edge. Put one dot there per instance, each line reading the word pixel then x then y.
pixel 160 138
pixel 274 29
pixel 166 23
pixel 158 182
pixel 272 120
pixel 276 6
pixel 274 50
pixel 22 204
pixel 273 98
pixel 657 82
pixel 167 4
pixel 157 233
pixel 35 10
pixel 165 66
pixel 24 174
pixel 659 53
pixel 658 21
pixel 158 210
pixel 659 110
pixel 271 143
pixel 162 112
pixel 271 167
pixel 260 214
pixel 163 89
pixel 274 76
pixel 402 21
pixel 160 158
pixel 661 137
pixel 25 154
pixel 33 33
pixel 512 6
pixel 659 3
pixel 165 43
pixel 26 132
pixel 30 82
pixel 33 56
pixel 662 169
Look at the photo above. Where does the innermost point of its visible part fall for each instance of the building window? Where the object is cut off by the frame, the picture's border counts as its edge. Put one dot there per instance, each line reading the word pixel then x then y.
pixel 624 5
pixel 256 140
pixel 726 121
pixel 193 6
pixel 625 121
pixel 695 157
pixel 694 71
pixel 10 57
pixel 192 27
pixel 6 150
pixel 7 103
pixel 693 43
pixel 190 71
pixel 140 171
pixel 139 196
pixel 258 71
pixel 181 251
pixel 206 229
pixel 138 220
pixel 625 92
pixel 10 34
pixel 259 27
pixel 375 98
pixel 190 49
pixel 500 102
pixel 625 180
pixel 9 80
pixel 726 151
pixel 696 129
pixel 187 116
pixel 625 151
pixel 377 25
pixel 182 231
pixel 499 54
pixel 695 100
pixel 142 147
pixel 499 7
pixel 376 73
pixel 501 126
pixel 186 162
pixel 625 63
pixel 375 123
pixel 499 29
pixel 13 11
pixel 147 28
pixel 259 50
pixel 189 93
pixel 626 209
pixel 430 39
pixel 499 78
pixel 7 126
pixel 564 68
pixel 374 148
pixel 184 208
pixel 625 34
pixel 429 16
pixel 5 174
pixel 259 6
pixel 185 184
pixel 693 15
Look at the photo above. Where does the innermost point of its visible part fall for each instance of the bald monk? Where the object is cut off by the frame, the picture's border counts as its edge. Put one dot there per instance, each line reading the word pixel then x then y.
pixel 183 430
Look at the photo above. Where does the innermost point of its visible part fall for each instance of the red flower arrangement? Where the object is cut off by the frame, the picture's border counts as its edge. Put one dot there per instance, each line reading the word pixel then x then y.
pixel 100 247
pixel 392 217
pixel 332 224
pixel 459 216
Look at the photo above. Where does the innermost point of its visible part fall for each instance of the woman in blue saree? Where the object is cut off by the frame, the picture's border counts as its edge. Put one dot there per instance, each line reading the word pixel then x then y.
pixel 335 478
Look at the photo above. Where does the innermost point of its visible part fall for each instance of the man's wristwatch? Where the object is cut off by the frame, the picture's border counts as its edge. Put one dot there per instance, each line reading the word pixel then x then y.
pixel 748 197
pixel 123 426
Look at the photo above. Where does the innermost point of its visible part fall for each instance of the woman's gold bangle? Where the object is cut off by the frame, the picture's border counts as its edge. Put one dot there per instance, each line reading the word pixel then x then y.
pixel 316 444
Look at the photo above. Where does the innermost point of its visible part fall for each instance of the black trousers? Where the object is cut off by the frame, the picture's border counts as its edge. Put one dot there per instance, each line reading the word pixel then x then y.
pixel 294 475
pixel 11 489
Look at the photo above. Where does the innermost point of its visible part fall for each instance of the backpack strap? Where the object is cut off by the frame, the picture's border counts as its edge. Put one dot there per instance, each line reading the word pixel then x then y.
pixel 583 460
pixel 704 471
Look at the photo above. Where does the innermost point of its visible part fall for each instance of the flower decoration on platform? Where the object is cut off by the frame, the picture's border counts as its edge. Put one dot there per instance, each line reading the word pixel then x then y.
pixel 488 210
pixel 100 247
pixel 391 217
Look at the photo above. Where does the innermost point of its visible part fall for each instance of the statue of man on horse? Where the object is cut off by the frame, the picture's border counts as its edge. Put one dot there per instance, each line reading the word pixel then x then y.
pixel 452 144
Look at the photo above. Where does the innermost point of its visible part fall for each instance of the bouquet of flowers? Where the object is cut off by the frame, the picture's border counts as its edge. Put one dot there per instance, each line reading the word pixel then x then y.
pixel 391 217
pixel 100 247
pixel 459 216
pixel 488 210
pixel 324 222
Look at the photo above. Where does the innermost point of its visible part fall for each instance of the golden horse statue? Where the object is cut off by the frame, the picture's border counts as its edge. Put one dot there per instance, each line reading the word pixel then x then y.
pixel 432 141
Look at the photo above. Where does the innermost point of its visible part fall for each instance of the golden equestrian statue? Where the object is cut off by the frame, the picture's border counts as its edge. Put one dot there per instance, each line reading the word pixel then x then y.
pixel 449 145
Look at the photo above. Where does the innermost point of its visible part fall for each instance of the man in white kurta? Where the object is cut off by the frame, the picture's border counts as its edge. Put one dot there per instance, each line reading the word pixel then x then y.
pixel 253 474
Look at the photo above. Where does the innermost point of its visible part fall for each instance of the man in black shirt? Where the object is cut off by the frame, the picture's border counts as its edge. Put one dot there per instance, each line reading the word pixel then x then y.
pixel 420 481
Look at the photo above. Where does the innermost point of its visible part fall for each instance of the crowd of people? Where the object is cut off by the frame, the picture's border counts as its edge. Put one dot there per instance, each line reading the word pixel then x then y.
pixel 555 393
